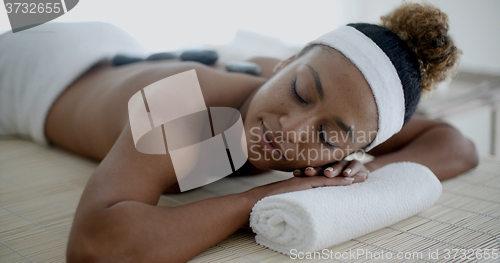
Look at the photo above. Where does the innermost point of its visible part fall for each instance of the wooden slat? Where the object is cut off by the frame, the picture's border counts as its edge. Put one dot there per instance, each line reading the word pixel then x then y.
pixel 40 188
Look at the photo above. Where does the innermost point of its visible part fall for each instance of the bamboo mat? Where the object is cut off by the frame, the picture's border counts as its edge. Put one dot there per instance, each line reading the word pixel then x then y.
pixel 40 189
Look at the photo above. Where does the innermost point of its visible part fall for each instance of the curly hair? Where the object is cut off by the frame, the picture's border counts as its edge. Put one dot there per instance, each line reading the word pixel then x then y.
pixel 425 30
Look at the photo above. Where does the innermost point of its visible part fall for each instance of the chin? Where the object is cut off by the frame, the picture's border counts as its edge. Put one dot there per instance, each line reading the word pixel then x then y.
pixel 269 164
pixel 258 158
pixel 258 162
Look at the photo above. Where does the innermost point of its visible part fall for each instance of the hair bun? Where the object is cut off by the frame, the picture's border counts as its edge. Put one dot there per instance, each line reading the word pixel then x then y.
pixel 425 29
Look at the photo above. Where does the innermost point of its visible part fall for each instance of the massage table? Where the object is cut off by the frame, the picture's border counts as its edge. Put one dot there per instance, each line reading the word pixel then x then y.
pixel 40 188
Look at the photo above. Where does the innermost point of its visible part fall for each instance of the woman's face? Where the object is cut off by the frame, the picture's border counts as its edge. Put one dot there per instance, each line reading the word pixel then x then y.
pixel 315 110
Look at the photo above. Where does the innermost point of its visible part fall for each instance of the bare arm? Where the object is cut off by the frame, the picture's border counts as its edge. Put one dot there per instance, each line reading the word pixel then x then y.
pixel 117 219
pixel 433 143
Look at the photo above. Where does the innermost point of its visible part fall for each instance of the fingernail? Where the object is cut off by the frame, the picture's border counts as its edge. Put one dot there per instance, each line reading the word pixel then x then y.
pixel 309 168
pixel 362 174
pixel 296 172
pixel 349 179
pixel 348 171
pixel 329 169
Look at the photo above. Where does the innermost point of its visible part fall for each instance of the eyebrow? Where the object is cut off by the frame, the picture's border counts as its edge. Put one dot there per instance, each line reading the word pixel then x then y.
pixel 317 81
pixel 345 127
pixel 338 121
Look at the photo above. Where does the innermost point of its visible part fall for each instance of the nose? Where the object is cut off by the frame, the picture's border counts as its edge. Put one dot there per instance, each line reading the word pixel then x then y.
pixel 296 128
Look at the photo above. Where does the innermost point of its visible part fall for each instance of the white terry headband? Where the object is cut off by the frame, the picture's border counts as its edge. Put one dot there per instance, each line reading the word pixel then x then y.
pixel 378 71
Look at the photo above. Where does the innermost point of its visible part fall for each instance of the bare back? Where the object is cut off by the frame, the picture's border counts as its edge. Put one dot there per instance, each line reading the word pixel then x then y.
pixel 90 115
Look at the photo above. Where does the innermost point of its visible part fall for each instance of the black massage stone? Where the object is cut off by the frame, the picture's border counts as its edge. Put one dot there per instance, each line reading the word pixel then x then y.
pixel 243 67
pixel 120 60
pixel 205 56
pixel 161 56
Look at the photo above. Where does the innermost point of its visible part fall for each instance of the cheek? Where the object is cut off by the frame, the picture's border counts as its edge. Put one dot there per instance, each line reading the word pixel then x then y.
pixel 277 94
pixel 252 136
pixel 315 155
pixel 269 99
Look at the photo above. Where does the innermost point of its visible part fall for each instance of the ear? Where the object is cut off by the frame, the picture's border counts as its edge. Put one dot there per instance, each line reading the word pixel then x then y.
pixel 283 63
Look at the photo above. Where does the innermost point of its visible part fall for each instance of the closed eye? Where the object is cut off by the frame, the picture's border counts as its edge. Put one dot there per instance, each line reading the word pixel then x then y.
pixel 323 139
pixel 294 91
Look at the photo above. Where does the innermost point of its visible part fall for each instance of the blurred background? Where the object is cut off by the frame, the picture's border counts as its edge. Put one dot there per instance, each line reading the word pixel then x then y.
pixel 241 29
pixel 169 25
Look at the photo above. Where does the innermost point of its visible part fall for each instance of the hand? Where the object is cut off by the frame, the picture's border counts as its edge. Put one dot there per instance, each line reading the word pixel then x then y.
pixel 298 184
pixel 345 168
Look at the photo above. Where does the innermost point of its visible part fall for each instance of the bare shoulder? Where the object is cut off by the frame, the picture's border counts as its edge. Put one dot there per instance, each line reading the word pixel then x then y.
pixel 266 64
pixel 127 174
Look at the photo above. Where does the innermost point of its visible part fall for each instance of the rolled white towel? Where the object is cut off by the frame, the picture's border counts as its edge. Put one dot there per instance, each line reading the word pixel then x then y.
pixel 318 218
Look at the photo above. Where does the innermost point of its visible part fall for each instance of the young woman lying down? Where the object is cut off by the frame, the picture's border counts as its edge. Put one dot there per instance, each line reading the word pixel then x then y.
pixel 360 81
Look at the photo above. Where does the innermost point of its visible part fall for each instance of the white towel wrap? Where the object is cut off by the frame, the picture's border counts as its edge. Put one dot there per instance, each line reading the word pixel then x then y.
pixel 38 64
pixel 319 218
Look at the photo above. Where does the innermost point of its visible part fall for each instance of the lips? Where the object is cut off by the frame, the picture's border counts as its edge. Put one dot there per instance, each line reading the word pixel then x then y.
pixel 273 147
